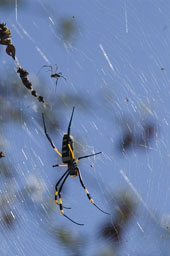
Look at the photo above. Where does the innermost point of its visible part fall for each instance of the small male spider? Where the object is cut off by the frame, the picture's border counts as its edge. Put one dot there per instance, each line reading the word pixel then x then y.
pixel 55 75
pixel 69 161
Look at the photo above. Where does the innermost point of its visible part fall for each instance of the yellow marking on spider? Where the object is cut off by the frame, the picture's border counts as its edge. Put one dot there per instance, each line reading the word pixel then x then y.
pixel 76 161
pixel 86 191
pixel 61 211
pixel 56 193
pixel 60 201
pixel 56 150
pixel 71 151
pixel 62 165
pixel 91 200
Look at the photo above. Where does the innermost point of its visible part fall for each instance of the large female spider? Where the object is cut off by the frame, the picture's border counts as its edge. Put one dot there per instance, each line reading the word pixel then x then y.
pixel 69 161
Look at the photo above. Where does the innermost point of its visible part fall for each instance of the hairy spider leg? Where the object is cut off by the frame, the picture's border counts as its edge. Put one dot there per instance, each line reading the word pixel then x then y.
pixel 56 77
pixel 45 130
pixel 81 157
pixel 48 66
pixel 60 165
pixel 59 74
pixel 88 195
pixel 69 125
pixel 60 201
pixel 48 137
pixel 56 193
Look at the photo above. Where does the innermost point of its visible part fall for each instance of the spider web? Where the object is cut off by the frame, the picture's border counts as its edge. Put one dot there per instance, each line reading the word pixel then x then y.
pixel 114 55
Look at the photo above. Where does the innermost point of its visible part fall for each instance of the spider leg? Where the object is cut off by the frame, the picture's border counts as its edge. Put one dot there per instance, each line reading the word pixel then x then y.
pixel 60 165
pixel 88 195
pixel 81 157
pixel 60 75
pixel 48 66
pixel 56 67
pixel 56 82
pixel 48 137
pixel 60 201
pixel 42 68
pixel 63 77
pixel 71 152
pixel 69 126
pixel 56 193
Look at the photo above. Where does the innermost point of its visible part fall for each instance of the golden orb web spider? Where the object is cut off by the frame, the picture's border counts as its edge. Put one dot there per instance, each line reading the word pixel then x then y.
pixel 69 161
pixel 54 75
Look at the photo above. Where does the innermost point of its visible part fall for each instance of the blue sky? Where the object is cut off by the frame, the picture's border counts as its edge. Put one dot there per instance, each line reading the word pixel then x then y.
pixel 117 53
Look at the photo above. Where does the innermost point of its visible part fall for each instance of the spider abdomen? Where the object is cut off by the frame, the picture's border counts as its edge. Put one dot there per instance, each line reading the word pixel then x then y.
pixel 66 153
